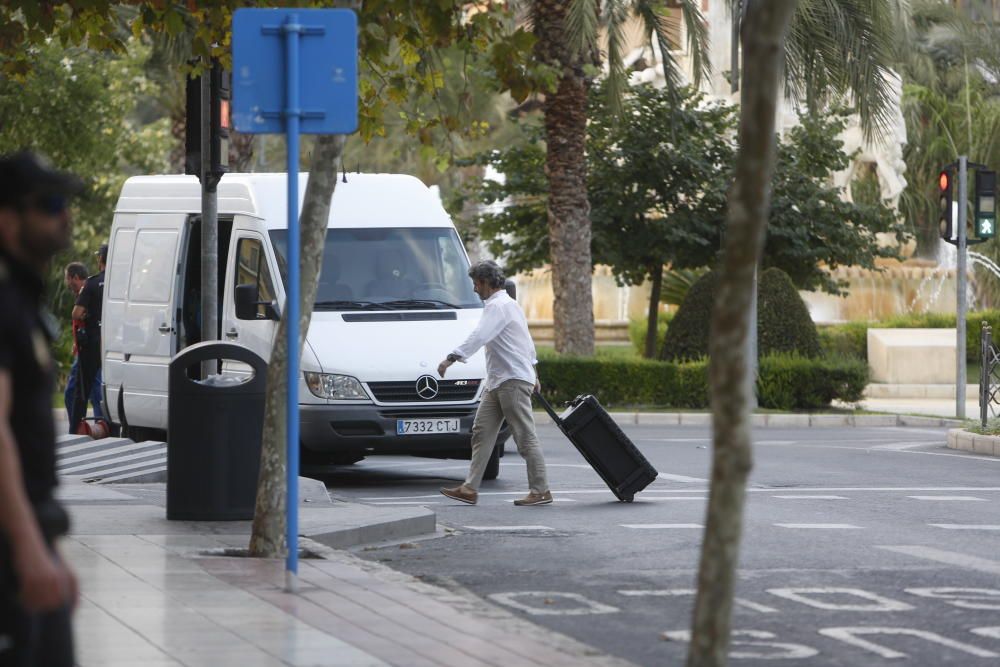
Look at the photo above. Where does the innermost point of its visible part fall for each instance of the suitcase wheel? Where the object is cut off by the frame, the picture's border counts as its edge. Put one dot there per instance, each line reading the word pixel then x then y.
pixel 629 499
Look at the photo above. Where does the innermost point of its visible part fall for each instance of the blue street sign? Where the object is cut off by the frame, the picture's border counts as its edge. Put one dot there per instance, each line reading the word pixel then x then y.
pixel 294 71
pixel 327 71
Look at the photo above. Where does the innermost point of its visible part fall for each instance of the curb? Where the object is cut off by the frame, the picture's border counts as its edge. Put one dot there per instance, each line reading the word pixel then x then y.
pixel 421 522
pixel 774 420
pixel 966 441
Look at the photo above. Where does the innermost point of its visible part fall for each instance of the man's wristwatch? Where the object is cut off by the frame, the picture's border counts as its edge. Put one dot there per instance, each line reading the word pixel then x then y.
pixel 453 357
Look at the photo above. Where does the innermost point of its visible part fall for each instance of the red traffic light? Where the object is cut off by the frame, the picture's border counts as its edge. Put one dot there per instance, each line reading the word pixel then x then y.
pixel 944 181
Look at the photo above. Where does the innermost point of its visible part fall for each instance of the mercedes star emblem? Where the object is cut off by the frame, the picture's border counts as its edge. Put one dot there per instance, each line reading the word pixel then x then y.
pixel 427 387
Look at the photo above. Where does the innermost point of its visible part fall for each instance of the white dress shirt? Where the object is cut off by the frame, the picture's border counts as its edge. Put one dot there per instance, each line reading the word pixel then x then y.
pixel 510 352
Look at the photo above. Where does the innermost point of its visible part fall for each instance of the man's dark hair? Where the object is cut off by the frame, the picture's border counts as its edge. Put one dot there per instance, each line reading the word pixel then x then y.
pixel 488 271
pixel 76 270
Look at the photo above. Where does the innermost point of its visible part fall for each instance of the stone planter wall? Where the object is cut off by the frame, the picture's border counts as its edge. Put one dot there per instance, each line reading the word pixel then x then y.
pixel 988 445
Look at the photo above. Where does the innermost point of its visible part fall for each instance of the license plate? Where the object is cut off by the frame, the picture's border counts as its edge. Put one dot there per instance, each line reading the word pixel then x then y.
pixel 426 426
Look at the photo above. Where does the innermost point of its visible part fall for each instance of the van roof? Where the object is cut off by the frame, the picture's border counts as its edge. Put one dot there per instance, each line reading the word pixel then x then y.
pixel 365 200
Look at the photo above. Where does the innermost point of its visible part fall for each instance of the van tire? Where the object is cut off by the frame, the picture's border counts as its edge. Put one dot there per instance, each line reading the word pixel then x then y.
pixel 142 433
pixel 493 465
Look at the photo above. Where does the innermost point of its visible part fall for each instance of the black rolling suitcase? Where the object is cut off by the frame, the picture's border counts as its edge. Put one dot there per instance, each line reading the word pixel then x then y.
pixel 605 446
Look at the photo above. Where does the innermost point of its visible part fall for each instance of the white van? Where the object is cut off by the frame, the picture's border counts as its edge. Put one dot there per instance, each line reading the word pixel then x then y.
pixel 394 299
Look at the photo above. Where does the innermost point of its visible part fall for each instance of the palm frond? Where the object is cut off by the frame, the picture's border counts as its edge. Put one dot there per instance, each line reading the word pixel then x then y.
pixel 615 15
pixel 582 27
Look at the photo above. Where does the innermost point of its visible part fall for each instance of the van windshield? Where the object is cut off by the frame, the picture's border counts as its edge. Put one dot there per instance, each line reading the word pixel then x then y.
pixel 400 268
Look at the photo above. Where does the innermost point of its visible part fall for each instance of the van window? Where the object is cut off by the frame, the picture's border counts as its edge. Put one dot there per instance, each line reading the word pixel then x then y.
pixel 406 268
pixel 117 278
pixel 252 269
pixel 153 266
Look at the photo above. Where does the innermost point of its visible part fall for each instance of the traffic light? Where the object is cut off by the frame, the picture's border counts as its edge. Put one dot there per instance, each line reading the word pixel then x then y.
pixel 986 204
pixel 221 94
pixel 219 146
pixel 944 194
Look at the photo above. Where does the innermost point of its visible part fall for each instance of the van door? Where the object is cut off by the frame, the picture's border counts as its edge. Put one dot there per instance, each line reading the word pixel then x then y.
pixel 116 281
pixel 148 324
pixel 250 263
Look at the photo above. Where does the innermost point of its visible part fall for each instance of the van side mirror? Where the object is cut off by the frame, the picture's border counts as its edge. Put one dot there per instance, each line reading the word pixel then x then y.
pixel 245 299
pixel 511 288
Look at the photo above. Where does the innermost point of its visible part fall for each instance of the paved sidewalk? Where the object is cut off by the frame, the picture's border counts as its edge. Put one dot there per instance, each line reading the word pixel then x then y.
pixel 158 593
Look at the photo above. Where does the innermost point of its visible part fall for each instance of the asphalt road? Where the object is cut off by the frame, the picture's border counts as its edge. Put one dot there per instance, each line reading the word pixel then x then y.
pixel 860 547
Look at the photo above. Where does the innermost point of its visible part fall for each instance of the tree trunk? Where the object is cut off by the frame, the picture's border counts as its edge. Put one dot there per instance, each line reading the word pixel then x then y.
pixel 565 167
pixel 652 322
pixel 749 203
pixel 241 152
pixel 268 537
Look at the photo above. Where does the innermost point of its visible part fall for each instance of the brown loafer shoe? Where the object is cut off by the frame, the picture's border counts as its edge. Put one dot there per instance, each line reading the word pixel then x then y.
pixel 461 493
pixel 535 499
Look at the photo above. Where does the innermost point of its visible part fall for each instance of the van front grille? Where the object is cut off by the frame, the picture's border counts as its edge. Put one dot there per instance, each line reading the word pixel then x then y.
pixel 406 391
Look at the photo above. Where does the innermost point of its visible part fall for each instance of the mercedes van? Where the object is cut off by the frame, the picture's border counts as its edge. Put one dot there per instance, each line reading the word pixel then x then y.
pixel 394 298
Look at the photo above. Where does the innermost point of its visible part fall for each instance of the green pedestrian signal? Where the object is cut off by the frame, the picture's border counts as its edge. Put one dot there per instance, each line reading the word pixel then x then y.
pixel 986 204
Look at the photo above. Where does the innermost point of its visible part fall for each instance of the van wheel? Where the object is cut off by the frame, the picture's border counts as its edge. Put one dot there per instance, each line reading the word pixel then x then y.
pixel 142 433
pixel 493 465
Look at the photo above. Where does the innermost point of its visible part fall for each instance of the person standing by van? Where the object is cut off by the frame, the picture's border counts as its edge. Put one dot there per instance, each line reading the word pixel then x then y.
pixel 37 589
pixel 74 275
pixel 510 380
pixel 87 313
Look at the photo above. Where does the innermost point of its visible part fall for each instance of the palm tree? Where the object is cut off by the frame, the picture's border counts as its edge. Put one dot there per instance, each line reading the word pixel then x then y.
pixel 567 34
pixel 839 49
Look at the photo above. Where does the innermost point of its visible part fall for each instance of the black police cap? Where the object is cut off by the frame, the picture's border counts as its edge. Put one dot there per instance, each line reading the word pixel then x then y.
pixel 25 174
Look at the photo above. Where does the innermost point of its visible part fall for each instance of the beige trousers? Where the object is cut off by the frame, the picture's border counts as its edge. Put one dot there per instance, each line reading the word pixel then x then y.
pixel 510 401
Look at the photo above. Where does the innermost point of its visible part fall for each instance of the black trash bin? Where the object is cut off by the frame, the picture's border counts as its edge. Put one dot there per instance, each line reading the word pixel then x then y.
pixel 214 435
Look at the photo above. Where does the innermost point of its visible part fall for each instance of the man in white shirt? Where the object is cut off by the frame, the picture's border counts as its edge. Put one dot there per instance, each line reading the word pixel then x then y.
pixel 510 380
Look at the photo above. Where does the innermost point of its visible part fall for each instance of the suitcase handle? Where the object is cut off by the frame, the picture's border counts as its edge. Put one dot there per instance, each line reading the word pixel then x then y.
pixel 548 408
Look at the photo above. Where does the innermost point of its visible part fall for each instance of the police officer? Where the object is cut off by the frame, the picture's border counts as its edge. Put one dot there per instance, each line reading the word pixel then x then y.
pixel 87 321
pixel 37 588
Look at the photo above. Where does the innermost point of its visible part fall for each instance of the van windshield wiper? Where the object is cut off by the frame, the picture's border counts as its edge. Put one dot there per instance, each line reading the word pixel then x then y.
pixel 350 305
pixel 419 303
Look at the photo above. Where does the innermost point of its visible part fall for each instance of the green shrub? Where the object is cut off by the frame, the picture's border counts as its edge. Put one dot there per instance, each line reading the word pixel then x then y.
pixel 849 339
pixel 637 332
pixel 786 382
pixel 784 325
pixel 687 335
pixel 783 321
pixel 793 382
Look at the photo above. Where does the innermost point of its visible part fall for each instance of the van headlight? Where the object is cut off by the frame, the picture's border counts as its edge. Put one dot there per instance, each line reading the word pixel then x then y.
pixel 336 387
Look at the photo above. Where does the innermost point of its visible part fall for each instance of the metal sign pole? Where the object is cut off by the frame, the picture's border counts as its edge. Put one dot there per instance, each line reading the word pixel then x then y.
pixel 292 113
pixel 316 92
pixel 963 198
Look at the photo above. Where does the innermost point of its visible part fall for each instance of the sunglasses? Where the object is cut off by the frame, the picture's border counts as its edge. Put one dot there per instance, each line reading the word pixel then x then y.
pixel 50 204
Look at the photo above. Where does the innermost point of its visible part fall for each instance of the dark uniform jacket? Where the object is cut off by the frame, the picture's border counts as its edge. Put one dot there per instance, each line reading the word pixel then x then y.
pixel 26 354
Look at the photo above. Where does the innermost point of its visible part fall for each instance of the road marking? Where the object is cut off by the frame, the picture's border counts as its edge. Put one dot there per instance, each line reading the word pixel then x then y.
pixel 682 592
pixel 902 446
pixel 672 498
pixel 991 632
pixel 819 526
pixel 407 502
pixel 848 636
pixel 966 498
pixel 812 497
pixel 966 526
pixel 549 600
pixel 758 489
pixel 659 526
pixel 681 478
pixel 506 528
pixel 963 598
pixel 946 557
pixel 804 596
pixel 784 651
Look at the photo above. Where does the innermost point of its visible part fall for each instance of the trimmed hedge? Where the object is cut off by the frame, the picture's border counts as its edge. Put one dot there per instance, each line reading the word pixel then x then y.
pixel 637 332
pixel 786 382
pixel 784 325
pixel 851 338
pixel 783 322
